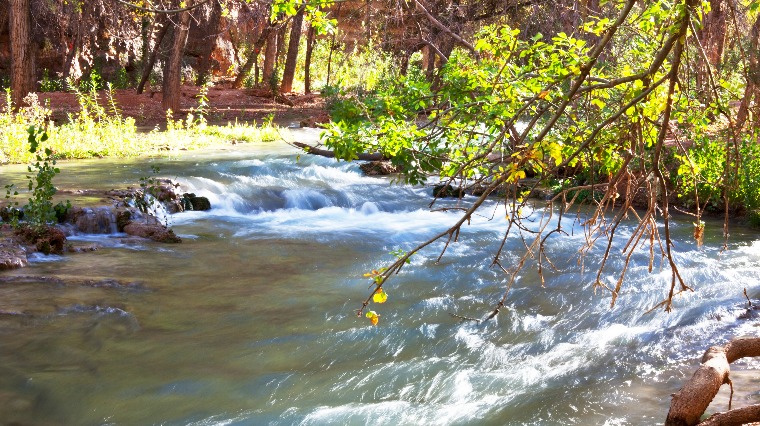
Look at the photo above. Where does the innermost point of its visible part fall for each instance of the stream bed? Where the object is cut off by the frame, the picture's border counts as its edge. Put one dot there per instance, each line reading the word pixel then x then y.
pixel 251 321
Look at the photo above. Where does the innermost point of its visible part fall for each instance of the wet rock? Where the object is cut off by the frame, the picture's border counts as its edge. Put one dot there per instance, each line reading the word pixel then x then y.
pixel 45 239
pixel 98 220
pixel 378 168
pixel 123 217
pixel 446 190
pixel 155 232
pixel 752 313
pixel 200 203
pixel 195 203
pixel 12 255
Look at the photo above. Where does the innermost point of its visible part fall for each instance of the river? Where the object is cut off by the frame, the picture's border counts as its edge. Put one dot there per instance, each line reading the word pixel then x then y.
pixel 251 319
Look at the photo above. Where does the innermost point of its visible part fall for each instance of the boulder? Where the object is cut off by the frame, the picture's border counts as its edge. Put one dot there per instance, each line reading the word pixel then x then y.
pixel 191 202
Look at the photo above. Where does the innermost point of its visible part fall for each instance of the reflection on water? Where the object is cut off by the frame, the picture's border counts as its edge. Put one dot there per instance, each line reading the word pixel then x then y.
pixel 250 320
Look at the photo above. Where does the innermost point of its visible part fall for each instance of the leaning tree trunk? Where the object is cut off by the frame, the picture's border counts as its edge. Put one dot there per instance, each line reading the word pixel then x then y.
pixel 172 88
pixel 253 57
pixel 22 57
pixel 690 402
pixel 150 61
pixel 289 71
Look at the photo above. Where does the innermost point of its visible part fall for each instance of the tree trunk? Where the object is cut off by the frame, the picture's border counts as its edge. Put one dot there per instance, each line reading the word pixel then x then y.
pixel 713 32
pixel 256 71
pixel 753 75
pixel 253 58
pixel 270 56
pixel 332 47
pixel 214 27
pixel 330 55
pixel 281 45
pixel 691 401
pixel 22 57
pixel 171 92
pixel 289 71
pixel 307 60
pixel 368 21
pixel 75 45
pixel 711 37
pixel 148 66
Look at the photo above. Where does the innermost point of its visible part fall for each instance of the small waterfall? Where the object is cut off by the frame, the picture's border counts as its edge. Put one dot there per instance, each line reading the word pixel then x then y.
pixel 305 199
pixel 99 220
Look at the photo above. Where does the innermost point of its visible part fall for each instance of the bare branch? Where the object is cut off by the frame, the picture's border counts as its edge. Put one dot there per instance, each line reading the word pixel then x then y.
pixel 163 11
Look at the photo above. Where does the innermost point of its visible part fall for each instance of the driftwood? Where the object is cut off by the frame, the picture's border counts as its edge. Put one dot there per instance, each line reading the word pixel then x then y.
pixel 691 401
pixel 331 154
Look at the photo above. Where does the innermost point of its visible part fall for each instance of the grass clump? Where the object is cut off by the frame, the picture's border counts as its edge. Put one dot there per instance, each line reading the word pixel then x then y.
pixel 100 129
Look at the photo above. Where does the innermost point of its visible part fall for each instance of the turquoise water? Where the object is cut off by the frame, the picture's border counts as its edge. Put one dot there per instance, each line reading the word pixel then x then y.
pixel 251 319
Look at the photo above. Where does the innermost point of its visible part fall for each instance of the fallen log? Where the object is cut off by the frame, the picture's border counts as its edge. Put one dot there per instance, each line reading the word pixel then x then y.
pixel 331 154
pixel 735 417
pixel 690 402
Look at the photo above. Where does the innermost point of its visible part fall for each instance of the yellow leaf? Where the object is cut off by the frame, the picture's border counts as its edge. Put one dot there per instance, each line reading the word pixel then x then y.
pixel 373 317
pixel 380 296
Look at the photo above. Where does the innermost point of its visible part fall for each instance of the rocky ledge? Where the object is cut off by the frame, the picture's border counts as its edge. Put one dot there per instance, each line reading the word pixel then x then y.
pixel 122 215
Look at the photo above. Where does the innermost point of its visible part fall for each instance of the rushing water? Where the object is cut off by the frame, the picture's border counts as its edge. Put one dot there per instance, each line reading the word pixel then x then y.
pixel 250 320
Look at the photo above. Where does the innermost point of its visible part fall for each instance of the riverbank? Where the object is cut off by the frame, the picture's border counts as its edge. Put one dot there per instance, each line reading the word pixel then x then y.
pixel 120 123
pixel 225 105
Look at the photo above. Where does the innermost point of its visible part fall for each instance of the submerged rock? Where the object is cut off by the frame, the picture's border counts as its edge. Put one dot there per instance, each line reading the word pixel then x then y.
pixel 154 231
pixel 446 190
pixel 12 254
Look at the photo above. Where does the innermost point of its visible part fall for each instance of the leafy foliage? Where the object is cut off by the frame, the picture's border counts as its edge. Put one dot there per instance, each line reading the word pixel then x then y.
pixel 40 211
pixel 615 105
